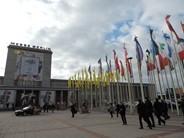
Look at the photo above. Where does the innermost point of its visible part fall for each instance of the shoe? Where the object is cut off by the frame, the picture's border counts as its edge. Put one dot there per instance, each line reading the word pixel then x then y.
pixel 150 127
pixel 153 125
pixel 141 128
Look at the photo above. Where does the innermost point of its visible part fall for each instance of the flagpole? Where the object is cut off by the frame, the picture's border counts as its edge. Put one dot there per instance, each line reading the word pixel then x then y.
pixel 178 60
pixel 100 95
pixel 154 79
pixel 109 87
pixel 163 83
pixel 169 92
pixel 177 80
pixel 129 93
pixel 175 98
pixel 91 95
pixel 140 78
pixel 117 87
pixel 113 92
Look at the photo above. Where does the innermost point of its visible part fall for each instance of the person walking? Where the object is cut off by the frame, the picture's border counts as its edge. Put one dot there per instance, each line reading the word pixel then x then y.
pixel 149 110
pixel 165 109
pixel 117 109
pixel 158 111
pixel 111 110
pixel 122 112
pixel 73 110
pixel 142 115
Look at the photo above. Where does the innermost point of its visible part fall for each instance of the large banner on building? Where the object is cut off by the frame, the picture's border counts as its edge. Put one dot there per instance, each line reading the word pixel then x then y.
pixel 47 97
pixel 7 98
pixel 29 66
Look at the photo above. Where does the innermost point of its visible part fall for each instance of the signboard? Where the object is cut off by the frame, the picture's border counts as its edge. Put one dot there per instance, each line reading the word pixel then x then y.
pixel 29 66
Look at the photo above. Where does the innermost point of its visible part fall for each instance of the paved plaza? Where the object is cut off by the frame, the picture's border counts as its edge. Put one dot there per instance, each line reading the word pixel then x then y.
pixel 94 125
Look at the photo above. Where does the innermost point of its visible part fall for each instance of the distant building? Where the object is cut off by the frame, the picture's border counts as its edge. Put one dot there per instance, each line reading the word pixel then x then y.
pixel 28 72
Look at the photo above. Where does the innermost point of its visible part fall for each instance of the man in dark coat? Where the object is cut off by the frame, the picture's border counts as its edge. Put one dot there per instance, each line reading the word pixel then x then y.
pixel 73 110
pixel 142 115
pixel 117 109
pixel 111 110
pixel 158 111
pixel 149 110
pixel 165 109
pixel 122 112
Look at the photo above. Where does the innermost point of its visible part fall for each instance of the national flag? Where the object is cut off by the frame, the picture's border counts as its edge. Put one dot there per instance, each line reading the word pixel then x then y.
pixel 128 64
pixel 117 67
pixel 150 66
pixel 110 71
pixel 155 48
pixel 170 26
pixel 100 68
pixel 182 26
pixel 181 55
pixel 108 68
pixel 168 41
pixel 163 61
pixel 89 70
pixel 122 69
pixel 117 64
pixel 114 54
pixel 149 62
pixel 139 53
pixel 162 46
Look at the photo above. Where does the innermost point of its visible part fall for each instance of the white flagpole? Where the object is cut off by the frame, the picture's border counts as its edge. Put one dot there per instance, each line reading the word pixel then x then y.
pixel 129 93
pixel 169 92
pixel 175 98
pixel 96 98
pixel 177 79
pixel 91 86
pixel 178 60
pixel 113 92
pixel 140 78
pixel 100 95
pixel 109 88
pixel 163 83
pixel 158 76
pixel 117 87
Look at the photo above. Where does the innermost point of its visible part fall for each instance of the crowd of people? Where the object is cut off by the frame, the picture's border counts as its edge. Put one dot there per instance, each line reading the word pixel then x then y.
pixel 146 111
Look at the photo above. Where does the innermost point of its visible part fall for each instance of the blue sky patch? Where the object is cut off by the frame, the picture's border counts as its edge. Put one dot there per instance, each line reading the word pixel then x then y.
pixel 117 30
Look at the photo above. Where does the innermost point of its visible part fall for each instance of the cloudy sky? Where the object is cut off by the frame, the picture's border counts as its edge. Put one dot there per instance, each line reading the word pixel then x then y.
pixel 79 32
